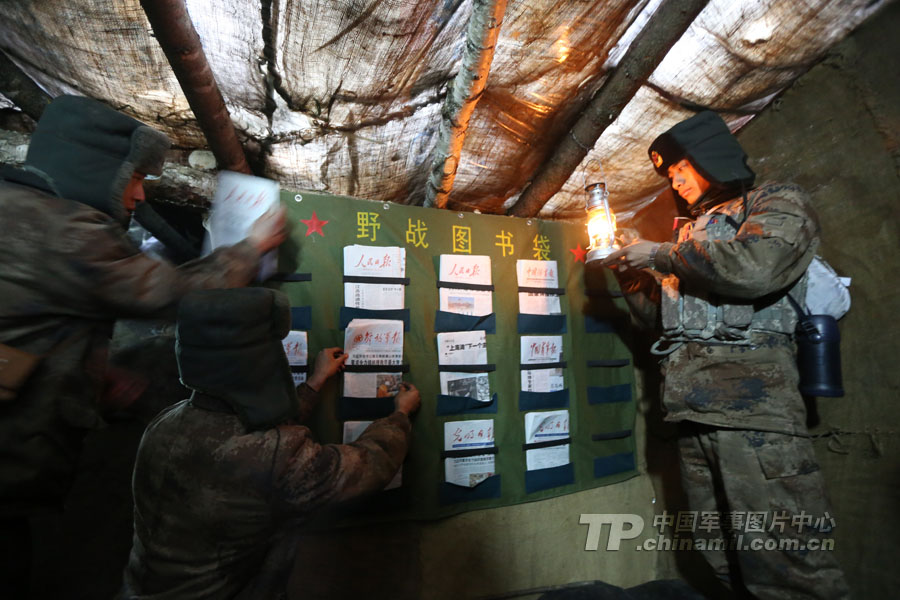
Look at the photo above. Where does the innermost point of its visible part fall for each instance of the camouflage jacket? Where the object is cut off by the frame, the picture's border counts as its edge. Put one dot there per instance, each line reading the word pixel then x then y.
pixel 209 496
pixel 739 372
pixel 67 271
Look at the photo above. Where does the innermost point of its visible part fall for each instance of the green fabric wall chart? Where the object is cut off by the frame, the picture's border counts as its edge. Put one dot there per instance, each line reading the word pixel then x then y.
pixel 599 379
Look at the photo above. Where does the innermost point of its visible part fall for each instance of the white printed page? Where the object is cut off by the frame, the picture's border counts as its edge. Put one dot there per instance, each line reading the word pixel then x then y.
pixel 297 351
pixel 476 270
pixel 374 261
pixel 239 200
pixel 537 349
pixel 462 348
pixel 469 471
pixel 538 274
pixel 467 385
pixel 373 342
pixel 542 427
pixel 296 348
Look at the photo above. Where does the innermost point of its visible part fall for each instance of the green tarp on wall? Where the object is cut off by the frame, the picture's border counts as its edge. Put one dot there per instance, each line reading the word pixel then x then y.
pixel 598 374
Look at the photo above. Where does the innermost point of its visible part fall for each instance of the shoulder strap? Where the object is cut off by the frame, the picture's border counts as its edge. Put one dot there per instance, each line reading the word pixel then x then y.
pixel 805 324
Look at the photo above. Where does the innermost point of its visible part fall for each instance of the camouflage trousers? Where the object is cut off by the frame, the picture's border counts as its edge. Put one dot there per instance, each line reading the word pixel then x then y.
pixel 764 524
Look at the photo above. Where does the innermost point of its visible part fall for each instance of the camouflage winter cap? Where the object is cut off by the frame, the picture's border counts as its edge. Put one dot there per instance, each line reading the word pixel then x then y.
pixel 706 141
pixel 89 151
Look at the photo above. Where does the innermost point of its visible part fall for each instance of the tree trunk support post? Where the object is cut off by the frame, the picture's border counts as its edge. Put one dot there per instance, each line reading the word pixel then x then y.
pixel 665 27
pixel 179 41
pixel 462 97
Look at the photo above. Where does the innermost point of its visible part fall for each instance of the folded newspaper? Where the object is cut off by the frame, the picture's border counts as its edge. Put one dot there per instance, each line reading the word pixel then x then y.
pixel 469 471
pixel 370 342
pixel 374 261
pixel 238 202
pixel 538 349
pixel 464 348
pixel 297 351
pixel 538 274
pixel 462 269
pixel 544 427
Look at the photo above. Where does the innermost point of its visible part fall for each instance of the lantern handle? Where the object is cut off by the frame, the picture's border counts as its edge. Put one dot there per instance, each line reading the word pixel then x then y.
pixel 602 173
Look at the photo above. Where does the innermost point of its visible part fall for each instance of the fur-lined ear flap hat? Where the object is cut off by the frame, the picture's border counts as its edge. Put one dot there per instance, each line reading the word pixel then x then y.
pixel 87 152
pixel 706 141
pixel 228 345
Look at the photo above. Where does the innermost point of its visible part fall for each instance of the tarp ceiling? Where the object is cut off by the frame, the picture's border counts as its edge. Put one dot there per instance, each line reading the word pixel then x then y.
pixel 345 96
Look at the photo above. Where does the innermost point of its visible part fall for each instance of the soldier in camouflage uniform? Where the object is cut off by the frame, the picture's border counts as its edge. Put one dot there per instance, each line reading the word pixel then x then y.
pixel 218 476
pixel 719 296
pixel 67 271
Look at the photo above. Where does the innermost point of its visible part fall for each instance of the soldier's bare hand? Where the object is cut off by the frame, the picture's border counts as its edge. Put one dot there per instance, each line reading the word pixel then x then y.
pixel 268 232
pixel 329 362
pixel 407 399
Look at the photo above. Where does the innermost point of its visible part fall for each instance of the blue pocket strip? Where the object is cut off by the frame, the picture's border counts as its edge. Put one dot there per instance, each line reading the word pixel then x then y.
pixel 616 463
pixel 543 479
pixel 609 394
pixel 301 318
pixel 454 405
pixel 542 323
pixel 448 321
pixel 539 400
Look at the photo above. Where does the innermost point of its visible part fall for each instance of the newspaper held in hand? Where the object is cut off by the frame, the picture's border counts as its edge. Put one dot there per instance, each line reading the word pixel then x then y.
pixel 537 349
pixel 538 274
pixel 297 351
pixel 352 431
pixel 456 268
pixel 238 202
pixel 469 471
pixel 373 342
pixel 544 427
pixel 464 348
pixel 374 261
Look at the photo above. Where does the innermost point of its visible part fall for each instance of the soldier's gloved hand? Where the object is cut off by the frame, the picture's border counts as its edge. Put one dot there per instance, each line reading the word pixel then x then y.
pixel 329 362
pixel 634 256
pixel 407 399
pixel 627 235
pixel 268 232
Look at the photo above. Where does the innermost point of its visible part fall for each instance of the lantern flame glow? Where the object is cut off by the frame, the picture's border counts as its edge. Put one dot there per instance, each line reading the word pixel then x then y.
pixel 601 225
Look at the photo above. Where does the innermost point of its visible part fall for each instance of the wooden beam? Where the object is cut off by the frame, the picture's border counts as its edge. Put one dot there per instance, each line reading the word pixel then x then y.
pixel 179 41
pixel 462 97
pixel 665 27
pixel 21 90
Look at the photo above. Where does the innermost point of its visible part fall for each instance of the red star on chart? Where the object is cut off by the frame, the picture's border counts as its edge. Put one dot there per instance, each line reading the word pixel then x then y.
pixel 314 225
pixel 578 253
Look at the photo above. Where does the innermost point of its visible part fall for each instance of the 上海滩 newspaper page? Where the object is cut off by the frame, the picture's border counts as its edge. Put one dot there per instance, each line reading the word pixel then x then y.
pixel 464 348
